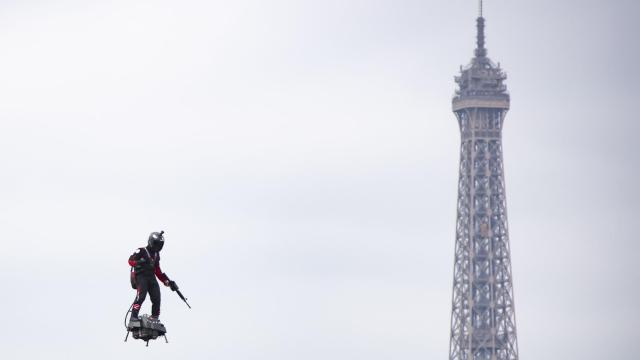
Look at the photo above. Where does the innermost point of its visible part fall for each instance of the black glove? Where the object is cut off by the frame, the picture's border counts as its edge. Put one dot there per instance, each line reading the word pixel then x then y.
pixel 173 285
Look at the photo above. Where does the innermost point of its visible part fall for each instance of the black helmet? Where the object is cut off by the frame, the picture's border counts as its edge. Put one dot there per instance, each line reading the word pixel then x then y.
pixel 156 241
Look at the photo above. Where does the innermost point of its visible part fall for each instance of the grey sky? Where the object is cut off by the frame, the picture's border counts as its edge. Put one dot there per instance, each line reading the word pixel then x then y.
pixel 302 157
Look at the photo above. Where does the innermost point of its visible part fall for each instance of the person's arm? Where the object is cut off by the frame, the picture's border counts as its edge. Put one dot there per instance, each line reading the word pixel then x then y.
pixel 160 275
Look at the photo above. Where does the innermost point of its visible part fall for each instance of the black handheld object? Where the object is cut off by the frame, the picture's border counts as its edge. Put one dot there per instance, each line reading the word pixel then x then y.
pixel 172 284
pixel 174 287
pixel 182 297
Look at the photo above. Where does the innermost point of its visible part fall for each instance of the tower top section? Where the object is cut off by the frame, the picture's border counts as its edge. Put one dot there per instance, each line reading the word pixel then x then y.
pixel 480 84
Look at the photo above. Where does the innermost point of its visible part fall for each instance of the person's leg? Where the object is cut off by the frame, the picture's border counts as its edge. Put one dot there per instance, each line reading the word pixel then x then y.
pixel 154 293
pixel 143 288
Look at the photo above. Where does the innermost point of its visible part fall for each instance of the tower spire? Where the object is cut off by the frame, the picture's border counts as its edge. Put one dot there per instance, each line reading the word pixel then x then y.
pixel 480 49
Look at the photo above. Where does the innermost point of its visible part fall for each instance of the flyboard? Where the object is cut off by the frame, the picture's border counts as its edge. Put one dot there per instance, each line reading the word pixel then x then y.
pixel 146 328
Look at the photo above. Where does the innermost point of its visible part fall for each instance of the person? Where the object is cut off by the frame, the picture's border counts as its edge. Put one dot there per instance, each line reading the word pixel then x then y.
pixel 146 265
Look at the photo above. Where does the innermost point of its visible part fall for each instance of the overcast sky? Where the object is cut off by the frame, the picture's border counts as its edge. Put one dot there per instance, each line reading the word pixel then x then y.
pixel 302 158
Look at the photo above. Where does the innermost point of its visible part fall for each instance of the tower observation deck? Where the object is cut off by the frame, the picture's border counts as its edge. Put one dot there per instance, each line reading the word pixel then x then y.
pixel 483 322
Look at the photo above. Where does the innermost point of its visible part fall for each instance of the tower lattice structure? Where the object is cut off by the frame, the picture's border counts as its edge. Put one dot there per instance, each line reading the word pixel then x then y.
pixel 483 321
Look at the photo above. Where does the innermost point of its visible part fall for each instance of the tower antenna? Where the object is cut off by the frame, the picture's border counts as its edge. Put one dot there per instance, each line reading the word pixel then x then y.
pixel 480 50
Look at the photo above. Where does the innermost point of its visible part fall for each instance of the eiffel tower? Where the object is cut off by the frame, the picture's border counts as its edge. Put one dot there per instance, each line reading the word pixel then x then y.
pixel 483 321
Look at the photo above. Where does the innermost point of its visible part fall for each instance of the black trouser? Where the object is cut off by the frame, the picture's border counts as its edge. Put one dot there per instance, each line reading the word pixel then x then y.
pixel 147 284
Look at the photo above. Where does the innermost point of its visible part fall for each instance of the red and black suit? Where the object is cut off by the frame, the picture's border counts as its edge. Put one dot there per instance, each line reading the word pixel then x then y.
pixel 146 264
